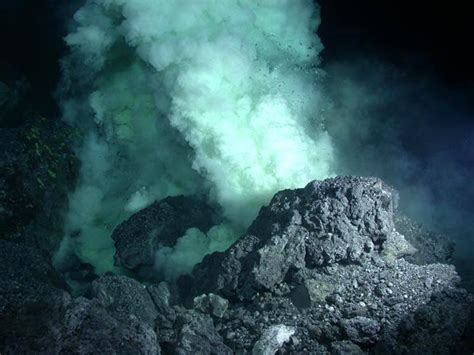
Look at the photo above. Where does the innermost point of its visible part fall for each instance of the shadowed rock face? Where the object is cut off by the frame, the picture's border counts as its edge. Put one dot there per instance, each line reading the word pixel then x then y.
pixel 37 315
pixel 431 247
pixel 37 167
pixel 321 270
pixel 123 296
pixel 160 224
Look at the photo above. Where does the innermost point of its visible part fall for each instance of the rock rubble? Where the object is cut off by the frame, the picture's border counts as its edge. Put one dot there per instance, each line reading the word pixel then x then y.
pixel 322 269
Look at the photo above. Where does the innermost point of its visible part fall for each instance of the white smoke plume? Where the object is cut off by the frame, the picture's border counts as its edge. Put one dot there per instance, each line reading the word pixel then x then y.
pixel 190 96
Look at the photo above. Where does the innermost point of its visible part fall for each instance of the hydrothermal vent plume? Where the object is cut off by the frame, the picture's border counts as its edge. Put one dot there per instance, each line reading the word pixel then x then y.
pixel 216 97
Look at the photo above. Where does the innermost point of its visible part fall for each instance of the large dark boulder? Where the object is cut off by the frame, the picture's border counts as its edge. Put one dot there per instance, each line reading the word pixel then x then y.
pixel 332 221
pixel 38 315
pixel 327 260
pixel 123 297
pixel 159 225
pixel 30 298
pixel 197 335
pixel 87 328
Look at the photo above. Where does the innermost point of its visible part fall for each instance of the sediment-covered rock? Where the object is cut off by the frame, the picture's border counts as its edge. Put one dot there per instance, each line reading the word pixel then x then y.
pixel 211 304
pixel 272 339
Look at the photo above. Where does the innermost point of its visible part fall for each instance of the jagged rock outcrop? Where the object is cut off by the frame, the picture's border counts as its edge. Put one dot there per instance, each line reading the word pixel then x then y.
pixel 342 220
pixel 321 270
pixel 328 261
pixel 159 225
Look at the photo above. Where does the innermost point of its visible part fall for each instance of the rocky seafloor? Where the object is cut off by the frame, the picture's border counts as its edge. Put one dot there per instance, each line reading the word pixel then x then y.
pixel 322 270
pixel 332 268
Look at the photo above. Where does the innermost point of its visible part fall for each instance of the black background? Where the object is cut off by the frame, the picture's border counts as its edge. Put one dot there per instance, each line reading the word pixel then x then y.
pixel 436 34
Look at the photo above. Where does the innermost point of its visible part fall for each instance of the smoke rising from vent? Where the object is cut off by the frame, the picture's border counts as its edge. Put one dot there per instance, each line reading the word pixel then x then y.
pixel 214 97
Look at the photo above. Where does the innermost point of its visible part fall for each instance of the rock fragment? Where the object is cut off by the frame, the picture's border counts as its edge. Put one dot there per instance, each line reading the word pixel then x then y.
pixel 272 339
pixel 160 224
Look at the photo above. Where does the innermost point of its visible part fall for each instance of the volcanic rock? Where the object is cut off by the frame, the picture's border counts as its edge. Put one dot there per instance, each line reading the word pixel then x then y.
pixel 197 335
pixel 321 270
pixel 272 340
pixel 431 247
pixel 158 225
pixel 37 314
pixel 341 220
pixel 327 260
pixel 37 168
pixel 122 297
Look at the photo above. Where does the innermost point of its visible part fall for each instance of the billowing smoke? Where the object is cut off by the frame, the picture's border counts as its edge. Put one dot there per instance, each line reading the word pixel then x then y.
pixel 212 97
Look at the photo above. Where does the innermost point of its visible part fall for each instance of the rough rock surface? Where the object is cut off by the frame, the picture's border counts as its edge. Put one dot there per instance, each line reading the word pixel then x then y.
pixel 163 299
pixel 431 247
pixel 212 304
pixel 340 220
pixel 123 296
pixel 28 296
pixel 160 224
pixel 37 167
pixel 272 340
pixel 197 335
pixel 37 315
pixel 345 285
pixel 328 261
pixel 87 328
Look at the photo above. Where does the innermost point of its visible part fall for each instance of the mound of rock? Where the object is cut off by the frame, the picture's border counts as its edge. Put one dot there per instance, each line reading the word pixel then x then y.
pixel 336 221
pixel 159 225
pixel 321 270
pixel 328 261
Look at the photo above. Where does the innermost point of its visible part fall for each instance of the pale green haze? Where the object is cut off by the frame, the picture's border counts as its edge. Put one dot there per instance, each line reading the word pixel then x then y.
pixel 217 97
